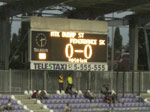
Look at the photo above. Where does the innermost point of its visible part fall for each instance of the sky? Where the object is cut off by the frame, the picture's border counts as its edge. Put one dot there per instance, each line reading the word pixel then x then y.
pixel 123 29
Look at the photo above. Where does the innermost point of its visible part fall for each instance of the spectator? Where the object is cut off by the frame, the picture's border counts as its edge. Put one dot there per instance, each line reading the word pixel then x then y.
pixel 36 94
pixel 105 90
pixel 43 95
pixel 68 109
pixel 61 82
pixel 9 105
pixel 74 91
pixel 68 90
pixel 91 92
pixel 139 98
pixel 107 99
pixel 115 99
pixel 87 95
pixel 69 80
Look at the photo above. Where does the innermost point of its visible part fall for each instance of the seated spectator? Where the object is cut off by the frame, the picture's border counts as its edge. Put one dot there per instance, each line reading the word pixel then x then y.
pixel 115 98
pixel 9 105
pixel 91 92
pixel 36 94
pixel 105 90
pixel 139 98
pixel 74 91
pixel 69 90
pixel 43 95
pixel 88 95
pixel 107 99
pixel 68 109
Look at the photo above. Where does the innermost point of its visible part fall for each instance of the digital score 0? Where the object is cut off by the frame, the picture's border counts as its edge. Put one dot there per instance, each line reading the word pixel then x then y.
pixel 57 50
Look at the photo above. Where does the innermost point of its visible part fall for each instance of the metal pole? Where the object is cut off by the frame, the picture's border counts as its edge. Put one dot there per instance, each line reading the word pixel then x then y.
pixel 112 55
pixel 139 83
pixel 147 48
pixel 31 80
pixel 112 49
pixel 45 81
pixel 117 81
pixel 28 80
pixel 123 82
pixel 133 82
pixel 10 80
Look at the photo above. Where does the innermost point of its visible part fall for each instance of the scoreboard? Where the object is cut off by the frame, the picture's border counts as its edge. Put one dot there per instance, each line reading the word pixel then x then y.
pixel 68 50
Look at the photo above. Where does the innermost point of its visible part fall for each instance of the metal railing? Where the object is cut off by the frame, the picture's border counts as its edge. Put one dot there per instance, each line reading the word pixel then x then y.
pixel 122 82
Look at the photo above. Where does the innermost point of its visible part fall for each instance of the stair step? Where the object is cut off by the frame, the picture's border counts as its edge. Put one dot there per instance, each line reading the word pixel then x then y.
pixel 31 103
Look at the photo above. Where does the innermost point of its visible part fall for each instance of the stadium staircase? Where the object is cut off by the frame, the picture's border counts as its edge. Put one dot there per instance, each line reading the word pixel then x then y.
pixel 31 103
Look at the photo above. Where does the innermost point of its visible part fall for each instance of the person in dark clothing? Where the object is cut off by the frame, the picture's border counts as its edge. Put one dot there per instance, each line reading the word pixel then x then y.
pixel 69 90
pixel 107 99
pixel 105 90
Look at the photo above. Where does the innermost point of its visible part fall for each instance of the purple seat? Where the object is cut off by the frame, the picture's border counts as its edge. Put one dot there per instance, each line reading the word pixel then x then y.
pixel 48 102
pixel 93 101
pixel 56 96
pixel 86 105
pixel 7 97
pixel 75 101
pixel 14 103
pixel 65 96
pixel 2 97
pixel 50 106
pixel 120 105
pixel 137 105
pixel 52 101
pixel 82 106
pixel 101 100
pixel 97 101
pixel 119 95
pixel 51 96
pixel 15 108
pixel 116 105
pixel 57 101
pixel 76 106
pixel 84 101
pixel 126 96
pixel 130 100
pixel 70 101
pixel 81 96
pixel 4 103
pixel 43 101
pixel 20 108
pixel 73 96
pixel 99 106
pixel 68 96
pixel 65 101
pixel 99 96
pixel 78 96
pixel 145 105
pixel 112 105
pixel 80 101
pixel 58 107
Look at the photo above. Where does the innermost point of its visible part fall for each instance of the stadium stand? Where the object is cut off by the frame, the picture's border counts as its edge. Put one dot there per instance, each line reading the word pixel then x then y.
pixel 57 102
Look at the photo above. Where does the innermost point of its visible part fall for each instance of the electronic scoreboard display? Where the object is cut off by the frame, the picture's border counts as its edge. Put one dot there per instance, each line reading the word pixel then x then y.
pixel 62 50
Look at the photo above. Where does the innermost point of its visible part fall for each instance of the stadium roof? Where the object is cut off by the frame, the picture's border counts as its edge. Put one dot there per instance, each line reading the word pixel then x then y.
pixel 93 7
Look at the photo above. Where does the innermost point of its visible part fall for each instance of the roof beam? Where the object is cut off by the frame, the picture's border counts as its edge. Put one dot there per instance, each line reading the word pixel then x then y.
pixel 24 6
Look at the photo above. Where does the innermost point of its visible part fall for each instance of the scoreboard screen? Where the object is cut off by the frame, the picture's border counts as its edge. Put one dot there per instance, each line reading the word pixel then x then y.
pixel 62 50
